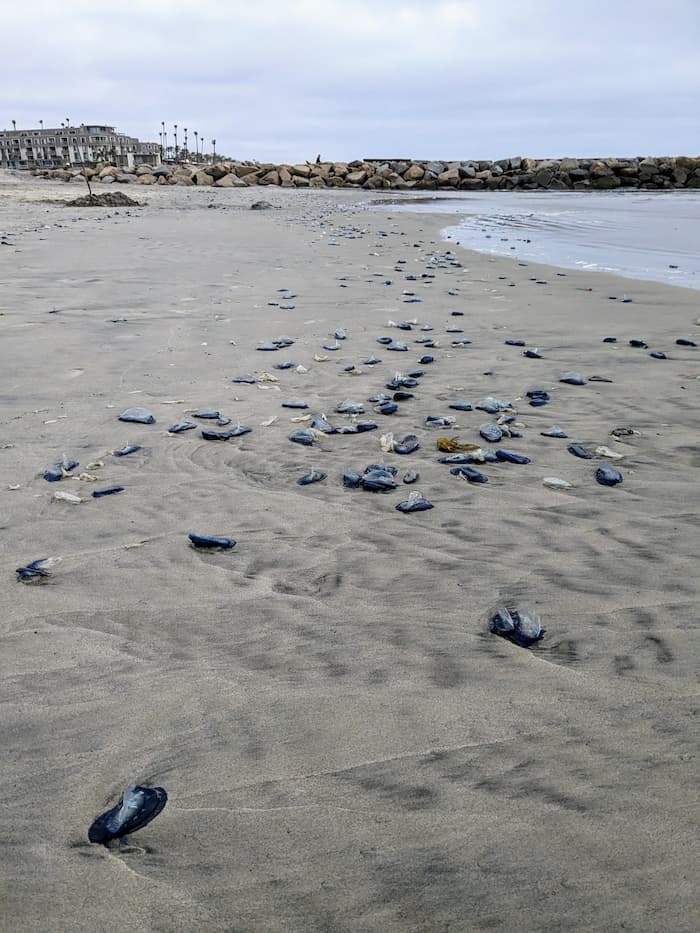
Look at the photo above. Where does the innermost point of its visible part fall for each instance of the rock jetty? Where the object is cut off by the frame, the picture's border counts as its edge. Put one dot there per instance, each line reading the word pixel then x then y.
pixel 508 174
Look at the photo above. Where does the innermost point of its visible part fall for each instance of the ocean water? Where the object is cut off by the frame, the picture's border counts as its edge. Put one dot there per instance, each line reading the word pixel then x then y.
pixel 639 234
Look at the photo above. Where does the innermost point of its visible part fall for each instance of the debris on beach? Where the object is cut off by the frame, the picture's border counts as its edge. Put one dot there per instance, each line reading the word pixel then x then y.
pixel 416 502
pixel 212 542
pixel 138 416
pixel 137 808
pixel 518 626
pixel 37 571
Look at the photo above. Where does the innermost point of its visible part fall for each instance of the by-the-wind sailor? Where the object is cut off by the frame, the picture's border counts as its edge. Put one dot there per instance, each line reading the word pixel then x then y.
pixel 554 431
pixel 397 345
pixel 684 342
pixel 658 355
pixel 532 354
pixel 491 432
pixel 213 542
pixel 340 334
pixel 351 478
pixel 385 341
pixel 371 361
pixel 107 491
pixel 424 360
pixel 287 364
pixel 416 502
pixel 403 396
pixel 514 343
pixel 578 450
pixel 216 435
pixel 461 406
pixel 517 625
pixel 492 405
pixel 294 403
pixel 125 451
pixel 387 408
pixel 378 479
pixel 56 472
pixel 508 457
pixel 320 423
pixel 608 476
pixel 439 421
pixel 212 413
pixel 350 408
pixel 408 445
pixel 573 379
pixel 363 426
pixel 182 426
pixel 137 415
pixel 555 482
pixel 469 473
pixel 410 476
pixel 315 476
pixel 247 379
pixel 302 437
pixel 138 806
pixel 639 344
pixel 37 571
pixel 239 430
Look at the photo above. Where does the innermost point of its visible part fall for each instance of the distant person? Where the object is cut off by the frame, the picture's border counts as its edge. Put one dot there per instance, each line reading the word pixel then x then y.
pixel 318 159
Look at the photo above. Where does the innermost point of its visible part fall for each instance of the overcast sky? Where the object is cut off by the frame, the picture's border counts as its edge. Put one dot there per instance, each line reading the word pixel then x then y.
pixel 281 80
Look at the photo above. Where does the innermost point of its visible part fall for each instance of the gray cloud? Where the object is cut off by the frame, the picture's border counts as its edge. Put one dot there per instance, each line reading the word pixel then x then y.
pixel 285 80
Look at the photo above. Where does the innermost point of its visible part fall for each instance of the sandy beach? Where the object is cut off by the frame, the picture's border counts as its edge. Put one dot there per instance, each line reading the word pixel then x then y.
pixel 345 745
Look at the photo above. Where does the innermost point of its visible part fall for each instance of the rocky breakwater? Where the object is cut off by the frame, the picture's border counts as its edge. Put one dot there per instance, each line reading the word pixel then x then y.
pixel 508 174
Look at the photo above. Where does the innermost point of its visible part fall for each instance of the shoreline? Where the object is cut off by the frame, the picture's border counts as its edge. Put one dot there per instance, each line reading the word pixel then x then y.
pixel 343 743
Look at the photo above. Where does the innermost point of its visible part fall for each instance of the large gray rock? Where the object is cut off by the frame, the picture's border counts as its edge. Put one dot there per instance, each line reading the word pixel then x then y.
pixel 124 178
pixel 301 171
pixel 450 178
pixel 605 182
pixel 467 171
pixel 568 165
pixel 203 178
pixel 356 178
pixel 144 169
pixel 161 170
pixel 435 168
pixel 544 177
pixel 414 172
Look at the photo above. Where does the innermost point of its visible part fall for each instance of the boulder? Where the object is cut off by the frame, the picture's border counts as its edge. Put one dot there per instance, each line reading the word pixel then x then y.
pixel 61 174
pixel 144 179
pixel 335 181
pixel 467 171
pixel 687 163
pixel 399 167
pixel 162 180
pixel 285 177
pixel 568 165
pixel 300 182
pixel 270 178
pixel 356 178
pixel 680 175
pixel 301 171
pixel 251 178
pixel 605 182
pixel 244 169
pixel 107 180
pixel 340 169
pixel 435 168
pixel 578 174
pixel 600 169
pixel 316 181
pixel 449 178
pixel 203 178
pixel 217 171
pixel 124 178
pixel 144 169
pixel 544 177
pixel 159 170
pixel 226 181
pixel 471 184
pixel 184 181
pixel 375 181
pixel 414 173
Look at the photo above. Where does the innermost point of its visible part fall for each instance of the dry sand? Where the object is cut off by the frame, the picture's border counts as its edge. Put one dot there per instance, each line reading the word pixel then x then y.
pixel 345 746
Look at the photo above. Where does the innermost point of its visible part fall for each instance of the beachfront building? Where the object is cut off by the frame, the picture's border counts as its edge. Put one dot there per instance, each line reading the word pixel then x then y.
pixel 73 146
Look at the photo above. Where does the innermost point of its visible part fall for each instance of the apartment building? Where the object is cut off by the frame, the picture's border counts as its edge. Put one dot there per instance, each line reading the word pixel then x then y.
pixel 73 146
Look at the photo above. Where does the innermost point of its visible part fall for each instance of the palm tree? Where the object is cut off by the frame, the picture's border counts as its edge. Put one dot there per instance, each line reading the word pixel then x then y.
pixel 213 150
pixel 163 138
pixel 175 135
pixel 185 149
pixel 14 125
pixel 196 146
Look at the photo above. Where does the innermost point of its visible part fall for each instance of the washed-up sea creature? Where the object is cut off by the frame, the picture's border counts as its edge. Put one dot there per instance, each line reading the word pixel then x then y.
pixel 247 379
pixel 378 479
pixel 607 453
pixel 67 497
pixel 320 423
pixel 508 457
pixel 451 445
pixel 212 413
pixel 138 416
pixel 578 450
pixel 572 379
pixel 137 808
pixel 608 476
pixel 469 473
pixel 182 426
pixel 410 476
pixel 554 482
pixel 684 342
pixel 386 442
pixel 212 542
pixel 639 344
pixel 387 408
pixel 517 625
pixel 407 446
pixel 306 438
pixel 440 421
pixel 128 449
pixel 461 406
pixel 350 408
pixel 493 405
pixel 491 432
pixel 416 502
pixel 514 343
pixel 658 355
pixel 554 431
pixel 107 491
pixel 351 478
pixel 315 476
pixel 293 403
pixel 37 571
pixel 57 471
pixel 533 354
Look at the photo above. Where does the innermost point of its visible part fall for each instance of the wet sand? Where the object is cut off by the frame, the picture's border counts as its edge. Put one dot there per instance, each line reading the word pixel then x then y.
pixel 345 746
